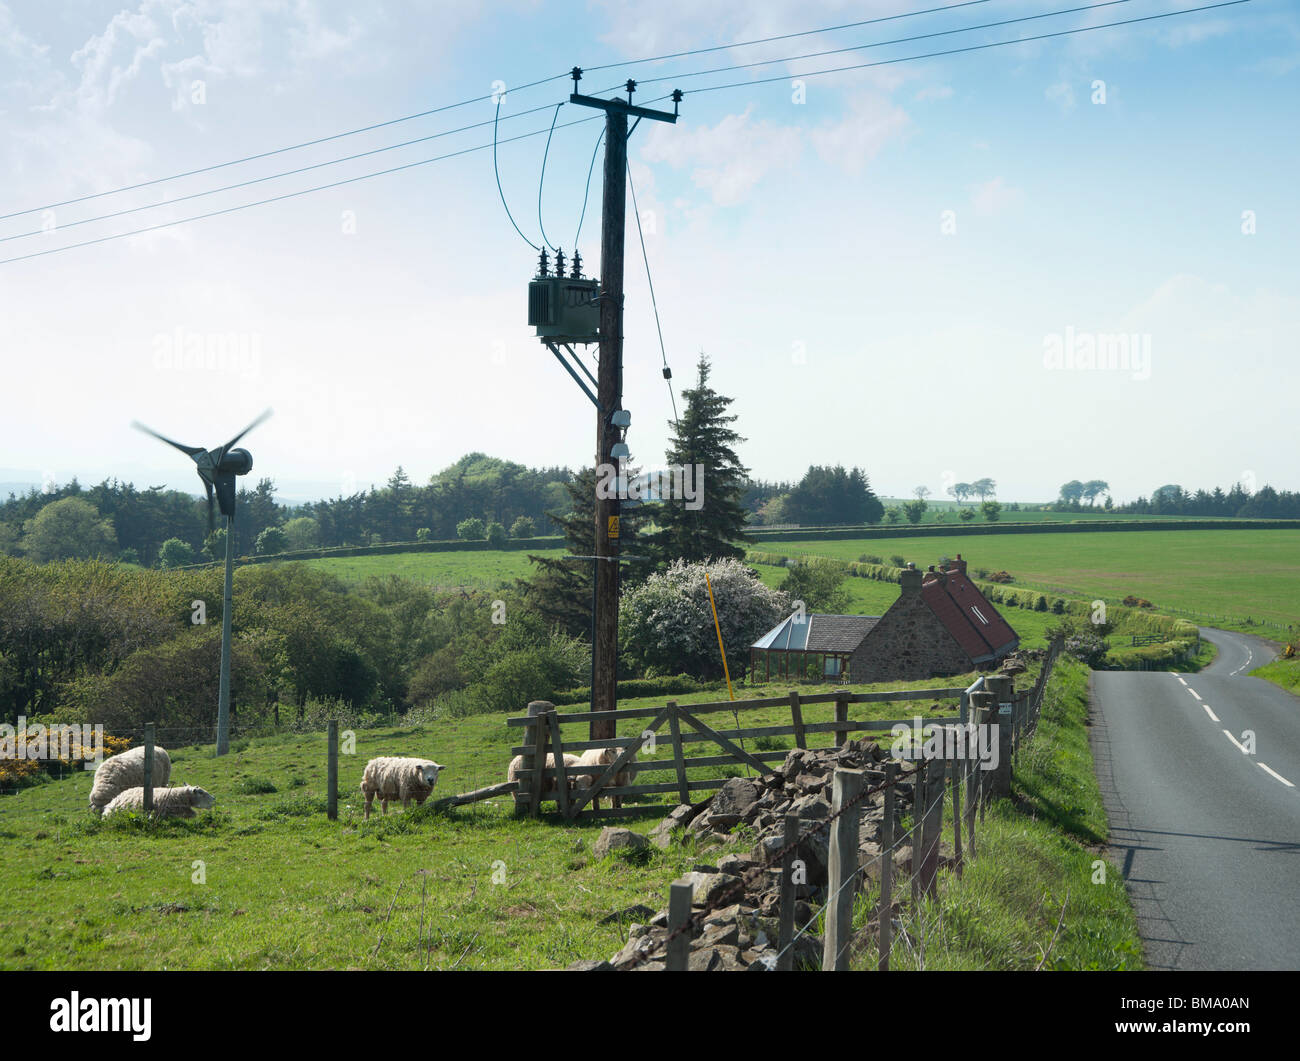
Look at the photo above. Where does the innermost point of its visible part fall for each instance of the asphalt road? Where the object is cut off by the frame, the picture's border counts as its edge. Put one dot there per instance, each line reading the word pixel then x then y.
pixel 1208 836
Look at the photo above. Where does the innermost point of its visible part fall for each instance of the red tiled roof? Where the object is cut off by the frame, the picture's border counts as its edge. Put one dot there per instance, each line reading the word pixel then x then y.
pixel 975 624
pixel 994 629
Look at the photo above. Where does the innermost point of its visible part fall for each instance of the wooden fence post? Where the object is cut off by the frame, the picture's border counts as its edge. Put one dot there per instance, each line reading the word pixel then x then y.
pixel 679 914
pixel 785 931
pixel 918 818
pixel 931 825
pixel 796 719
pixel 148 768
pixel 332 770
pixel 561 774
pixel 955 766
pixel 537 736
pixel 983 706
pixel 843 868
pixel 885 919
pixel 679 762
pixel 841 715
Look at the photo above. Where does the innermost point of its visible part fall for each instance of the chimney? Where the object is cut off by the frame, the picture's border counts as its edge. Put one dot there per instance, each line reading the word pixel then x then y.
pixel 957 565
pixel 941 575
pixel 909 581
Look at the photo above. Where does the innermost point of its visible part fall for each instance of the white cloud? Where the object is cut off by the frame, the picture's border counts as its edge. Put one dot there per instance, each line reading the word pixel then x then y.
pixel 855 140
pixel 934 92
pixel 728 159
pixel 1062 94
pixel 993 197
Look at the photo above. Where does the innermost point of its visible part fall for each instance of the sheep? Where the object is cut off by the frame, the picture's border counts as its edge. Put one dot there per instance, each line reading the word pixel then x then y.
pixel 167 802
pixel 549 786
pixel 118 773
pixel 395 777
pixel 602 757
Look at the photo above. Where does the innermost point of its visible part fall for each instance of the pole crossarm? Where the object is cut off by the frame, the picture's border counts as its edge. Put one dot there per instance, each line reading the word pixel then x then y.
pixel 621 105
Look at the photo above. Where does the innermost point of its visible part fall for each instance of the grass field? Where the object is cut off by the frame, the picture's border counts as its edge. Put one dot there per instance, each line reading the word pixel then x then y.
pixel 1215 574
pixel 266 881
pixel 286 888
pixel 473 570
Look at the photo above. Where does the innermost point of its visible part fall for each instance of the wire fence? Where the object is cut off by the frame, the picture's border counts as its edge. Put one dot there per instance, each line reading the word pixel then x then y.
pixel 966 780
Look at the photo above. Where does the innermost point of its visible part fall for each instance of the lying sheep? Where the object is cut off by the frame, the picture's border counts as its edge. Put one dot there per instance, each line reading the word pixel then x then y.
pixel 395 777
pixel 601 757
pixel 167 802
pixel 549 786
pixel 118 773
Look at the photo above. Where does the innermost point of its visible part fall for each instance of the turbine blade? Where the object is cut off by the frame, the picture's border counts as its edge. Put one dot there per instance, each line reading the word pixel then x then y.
pixel 211 523
pixel 187 450
pixel 229 445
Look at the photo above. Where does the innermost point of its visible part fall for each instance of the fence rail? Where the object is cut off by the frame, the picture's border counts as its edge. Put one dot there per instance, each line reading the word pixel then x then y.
pixel 545 777
pixel 990 700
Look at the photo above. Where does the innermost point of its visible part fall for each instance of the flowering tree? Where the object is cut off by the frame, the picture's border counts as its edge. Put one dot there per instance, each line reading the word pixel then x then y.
pixel 666 624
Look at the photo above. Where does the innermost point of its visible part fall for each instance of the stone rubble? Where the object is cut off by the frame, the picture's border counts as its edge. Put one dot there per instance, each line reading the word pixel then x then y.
pixel 742 933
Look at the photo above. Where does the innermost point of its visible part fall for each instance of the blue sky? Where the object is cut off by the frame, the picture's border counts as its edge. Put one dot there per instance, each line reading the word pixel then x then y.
pixel 878 272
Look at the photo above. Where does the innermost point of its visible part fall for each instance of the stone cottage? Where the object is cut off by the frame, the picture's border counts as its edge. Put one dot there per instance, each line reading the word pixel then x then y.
pixel 940 624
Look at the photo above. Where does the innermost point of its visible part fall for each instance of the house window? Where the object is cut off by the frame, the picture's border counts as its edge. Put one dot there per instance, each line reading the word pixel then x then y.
pixel 833 665
pixel 980 614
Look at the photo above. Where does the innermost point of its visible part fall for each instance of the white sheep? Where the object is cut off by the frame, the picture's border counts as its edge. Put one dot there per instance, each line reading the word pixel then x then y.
pixel 602 757
pixel 549 786
pixel 395 777
pixel 118 773
pixel 167 802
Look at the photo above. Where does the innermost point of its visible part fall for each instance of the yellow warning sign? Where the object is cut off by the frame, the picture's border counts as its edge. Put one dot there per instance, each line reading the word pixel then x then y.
pixel 613 526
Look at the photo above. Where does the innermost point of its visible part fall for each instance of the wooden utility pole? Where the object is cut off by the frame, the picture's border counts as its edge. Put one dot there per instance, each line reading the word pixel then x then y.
pixel 609 391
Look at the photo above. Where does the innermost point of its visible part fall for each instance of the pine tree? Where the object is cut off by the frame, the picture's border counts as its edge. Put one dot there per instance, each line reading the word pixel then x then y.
pixel 703 440
pixel 561 588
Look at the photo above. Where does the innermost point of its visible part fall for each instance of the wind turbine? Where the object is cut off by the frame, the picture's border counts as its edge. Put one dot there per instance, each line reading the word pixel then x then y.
pixel 218 468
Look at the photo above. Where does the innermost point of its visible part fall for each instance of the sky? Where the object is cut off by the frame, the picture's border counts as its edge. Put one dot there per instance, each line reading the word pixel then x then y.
pixel 1069 258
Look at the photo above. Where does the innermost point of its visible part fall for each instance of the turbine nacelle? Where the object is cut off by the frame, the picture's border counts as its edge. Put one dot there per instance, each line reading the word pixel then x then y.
pixel 217 468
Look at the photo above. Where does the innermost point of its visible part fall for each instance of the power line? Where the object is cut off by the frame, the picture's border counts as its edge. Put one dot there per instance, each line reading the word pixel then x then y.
pixel 668 373
pixel 881 44
pixel 453 106
pixel 587 193
pixel 497 173
pixel 286 195
pixel 971 48
pixel 541 181
pixel 270 177
pixel 277 151
pixel 784 36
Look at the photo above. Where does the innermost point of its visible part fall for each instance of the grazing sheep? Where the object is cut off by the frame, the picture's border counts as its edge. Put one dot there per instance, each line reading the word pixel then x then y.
pixel 549 786
pixel 395 777
pixel 167 802
pixel 118 773
pixel 602 757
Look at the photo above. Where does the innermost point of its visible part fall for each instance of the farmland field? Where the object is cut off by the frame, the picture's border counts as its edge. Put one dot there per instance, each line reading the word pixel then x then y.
pixel 474 570
pixel 286 888
pixel 1215 574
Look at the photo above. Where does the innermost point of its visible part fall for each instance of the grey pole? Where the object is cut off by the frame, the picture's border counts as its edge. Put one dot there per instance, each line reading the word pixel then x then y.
pixel 223 695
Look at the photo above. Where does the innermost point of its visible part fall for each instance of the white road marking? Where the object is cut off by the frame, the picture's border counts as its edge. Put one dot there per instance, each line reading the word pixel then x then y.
pixel 1209 712
pixel 1180 678
pixel 1240 747
pixel 1274 773
pixel 1194 693
pixel 1249 656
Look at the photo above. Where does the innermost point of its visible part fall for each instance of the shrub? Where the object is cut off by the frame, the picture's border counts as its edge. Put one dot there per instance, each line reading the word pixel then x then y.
pixel 472 529
pixel 175 553
pixel 424 534
pixel 255 786
pixel 1040 603
pixel 523 527
pixel 898 560
pixel 966 515
pixel 1058 606
pixel 666 622
pixel 495 533
pixel 868 558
